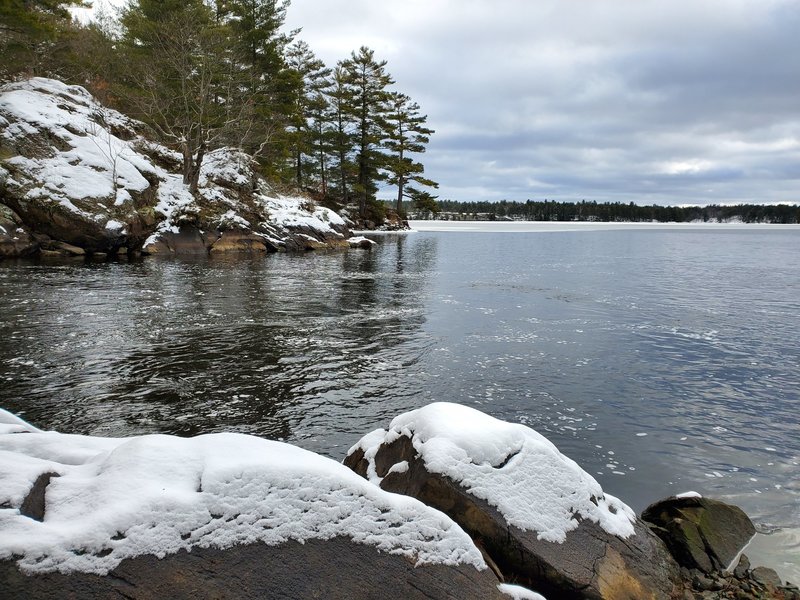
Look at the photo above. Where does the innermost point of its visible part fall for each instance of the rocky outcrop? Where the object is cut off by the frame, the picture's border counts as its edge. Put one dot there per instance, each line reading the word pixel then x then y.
pixel 215 516
pixel 561 536
pixel 74 172
pixel 701 533
pixel 706 536
pixel 229 515
pixel 335 569
pixel 15 239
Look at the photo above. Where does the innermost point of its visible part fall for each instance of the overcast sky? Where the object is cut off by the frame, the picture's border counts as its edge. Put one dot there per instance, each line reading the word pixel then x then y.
pixel 650 101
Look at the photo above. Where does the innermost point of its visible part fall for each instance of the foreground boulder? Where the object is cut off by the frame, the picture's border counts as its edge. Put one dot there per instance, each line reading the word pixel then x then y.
pixel 75 172
pixel 220 515
pixel 540 518
pixel 701 533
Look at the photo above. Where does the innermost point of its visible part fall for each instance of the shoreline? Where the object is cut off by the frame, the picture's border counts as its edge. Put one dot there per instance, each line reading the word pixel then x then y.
pixel 566 226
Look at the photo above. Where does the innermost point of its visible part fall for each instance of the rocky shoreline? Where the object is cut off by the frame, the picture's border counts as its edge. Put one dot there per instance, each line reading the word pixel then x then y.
pixel 446 503
pixel 79 179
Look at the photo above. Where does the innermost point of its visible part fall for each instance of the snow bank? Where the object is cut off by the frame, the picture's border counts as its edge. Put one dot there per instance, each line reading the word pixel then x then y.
pixel 515 469
pixel 298 212
pixel 157 494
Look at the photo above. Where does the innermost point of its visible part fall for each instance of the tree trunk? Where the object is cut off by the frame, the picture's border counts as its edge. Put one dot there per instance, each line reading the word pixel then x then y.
pixel 323 173
pixel 299 168
pixel 195 172
pixel 401 182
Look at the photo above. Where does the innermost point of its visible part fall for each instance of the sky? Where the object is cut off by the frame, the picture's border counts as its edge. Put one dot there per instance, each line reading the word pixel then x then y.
pixel 645 101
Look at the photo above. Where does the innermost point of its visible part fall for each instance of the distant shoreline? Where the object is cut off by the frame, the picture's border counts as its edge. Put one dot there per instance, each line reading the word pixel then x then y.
pixel 564 226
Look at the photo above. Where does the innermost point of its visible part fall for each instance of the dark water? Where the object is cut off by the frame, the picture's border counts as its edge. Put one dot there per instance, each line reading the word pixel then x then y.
pixel 661 361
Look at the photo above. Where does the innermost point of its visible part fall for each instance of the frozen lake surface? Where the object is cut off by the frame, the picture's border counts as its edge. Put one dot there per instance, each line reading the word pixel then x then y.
pixel 661 358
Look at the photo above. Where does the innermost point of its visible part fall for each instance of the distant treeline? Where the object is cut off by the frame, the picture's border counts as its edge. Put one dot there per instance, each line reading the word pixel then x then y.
pixel 609 211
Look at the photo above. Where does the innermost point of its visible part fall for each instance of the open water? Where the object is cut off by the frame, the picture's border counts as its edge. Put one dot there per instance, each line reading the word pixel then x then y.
pixel 661 359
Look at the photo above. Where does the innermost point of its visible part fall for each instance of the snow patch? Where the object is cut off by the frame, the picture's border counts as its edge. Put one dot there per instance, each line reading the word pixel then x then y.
pixel 518 592
pixel 511 466
pixel 688 495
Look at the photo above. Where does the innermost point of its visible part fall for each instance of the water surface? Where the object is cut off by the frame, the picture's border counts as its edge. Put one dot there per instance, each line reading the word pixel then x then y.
pixel 661 359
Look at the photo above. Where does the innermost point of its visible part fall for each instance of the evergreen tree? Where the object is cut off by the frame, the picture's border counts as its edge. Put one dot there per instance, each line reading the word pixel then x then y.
pixel 341 102
pixel 367 80
pixel 28 30
pixel 270 86
pixel 407 135
pixel 310 106
pixel 182 76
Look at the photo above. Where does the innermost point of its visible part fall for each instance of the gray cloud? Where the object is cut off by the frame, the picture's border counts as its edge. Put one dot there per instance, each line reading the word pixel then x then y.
pixel 682 101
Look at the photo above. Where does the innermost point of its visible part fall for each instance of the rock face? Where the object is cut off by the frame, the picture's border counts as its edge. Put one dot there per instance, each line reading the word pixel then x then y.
pixel 338 569
pixel 15 239
pixel 215 516
pixel 701 533
pixel 539 518
pixel 74 172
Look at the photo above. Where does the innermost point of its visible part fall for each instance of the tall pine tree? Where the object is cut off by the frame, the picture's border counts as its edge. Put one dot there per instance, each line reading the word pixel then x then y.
pixel 367 81
pixel 407 135
pixel 309 108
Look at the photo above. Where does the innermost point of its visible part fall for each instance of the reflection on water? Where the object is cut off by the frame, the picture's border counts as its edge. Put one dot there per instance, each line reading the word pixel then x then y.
pixel 661 361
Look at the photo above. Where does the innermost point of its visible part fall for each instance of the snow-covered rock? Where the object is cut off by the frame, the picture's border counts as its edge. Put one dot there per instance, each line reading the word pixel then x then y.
pixel 83 174
pixel 359 241
pixel 542 519
pixel 77 505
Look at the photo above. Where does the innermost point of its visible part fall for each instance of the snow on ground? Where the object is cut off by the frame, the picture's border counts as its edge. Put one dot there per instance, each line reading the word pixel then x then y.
pixel 295 211
pixel 511 466
pixel 95 162
pixel 71 156
pixel 118 498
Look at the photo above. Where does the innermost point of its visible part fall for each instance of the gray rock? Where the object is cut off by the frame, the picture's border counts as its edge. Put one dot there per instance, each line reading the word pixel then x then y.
pixel 700 532
pixel 33 506
pixel 766 577
pixel 740 572
pixel 15 239
pixel 336 569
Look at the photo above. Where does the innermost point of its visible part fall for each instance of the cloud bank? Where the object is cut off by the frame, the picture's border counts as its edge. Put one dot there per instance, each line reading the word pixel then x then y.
pixel 646 101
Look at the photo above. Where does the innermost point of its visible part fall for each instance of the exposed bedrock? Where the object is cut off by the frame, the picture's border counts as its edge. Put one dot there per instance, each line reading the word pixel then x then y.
pixel 590 563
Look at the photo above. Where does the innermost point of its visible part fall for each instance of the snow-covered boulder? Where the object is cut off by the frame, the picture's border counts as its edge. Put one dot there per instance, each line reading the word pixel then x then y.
pixel 543 520
pixel 359 241
pixel 218 515
pixel 77 172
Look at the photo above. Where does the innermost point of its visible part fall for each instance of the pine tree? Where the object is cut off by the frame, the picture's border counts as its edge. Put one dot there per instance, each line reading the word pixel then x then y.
pixel 182 77
pixel 310 105
pixel 270 86
pixel 341 103
pixel 407 135
pixel 367 79
pixel 28 29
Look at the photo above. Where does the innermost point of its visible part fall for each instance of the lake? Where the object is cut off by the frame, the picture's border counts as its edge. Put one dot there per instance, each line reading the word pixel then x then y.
pixel 661 358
